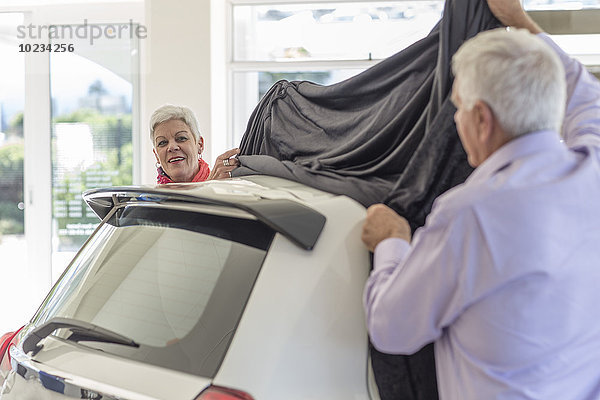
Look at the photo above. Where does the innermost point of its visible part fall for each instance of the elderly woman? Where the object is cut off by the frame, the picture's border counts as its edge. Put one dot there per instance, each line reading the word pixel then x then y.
pixel 178 148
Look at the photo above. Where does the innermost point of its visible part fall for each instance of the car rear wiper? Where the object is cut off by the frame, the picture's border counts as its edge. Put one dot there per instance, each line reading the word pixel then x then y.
pixel 80 331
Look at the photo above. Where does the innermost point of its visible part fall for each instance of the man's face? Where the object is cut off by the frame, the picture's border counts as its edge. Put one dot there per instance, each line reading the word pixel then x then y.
pixel 176 149
pixel 466 125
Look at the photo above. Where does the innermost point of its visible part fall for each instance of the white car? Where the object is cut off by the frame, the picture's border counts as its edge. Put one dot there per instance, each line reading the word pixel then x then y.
pixel 245 288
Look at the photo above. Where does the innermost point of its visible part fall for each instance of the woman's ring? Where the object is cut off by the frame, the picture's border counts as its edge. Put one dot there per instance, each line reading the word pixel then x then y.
pixel 226 162
pixel 229 172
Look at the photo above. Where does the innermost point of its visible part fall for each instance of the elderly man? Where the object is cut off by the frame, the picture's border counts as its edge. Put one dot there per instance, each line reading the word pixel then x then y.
pixel 504 275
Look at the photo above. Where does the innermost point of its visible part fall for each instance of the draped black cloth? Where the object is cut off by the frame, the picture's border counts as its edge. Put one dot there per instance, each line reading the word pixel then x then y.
pixel 385 135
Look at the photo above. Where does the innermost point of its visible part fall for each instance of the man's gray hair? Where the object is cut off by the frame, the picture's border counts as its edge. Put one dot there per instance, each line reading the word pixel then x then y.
pixel 517 75
pixel 169 112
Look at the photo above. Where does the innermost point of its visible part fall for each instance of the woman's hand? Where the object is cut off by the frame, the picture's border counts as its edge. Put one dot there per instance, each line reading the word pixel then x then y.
pixel 224 164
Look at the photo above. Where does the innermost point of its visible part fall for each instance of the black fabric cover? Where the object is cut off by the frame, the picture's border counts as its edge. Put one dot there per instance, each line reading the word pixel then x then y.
pixel 385 135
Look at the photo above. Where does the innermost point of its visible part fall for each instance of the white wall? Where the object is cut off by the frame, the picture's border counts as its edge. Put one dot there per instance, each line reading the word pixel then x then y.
pixel 176 68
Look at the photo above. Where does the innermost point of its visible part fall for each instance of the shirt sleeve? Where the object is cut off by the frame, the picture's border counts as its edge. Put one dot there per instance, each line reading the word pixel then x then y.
pixel 417 290
pixel 581 126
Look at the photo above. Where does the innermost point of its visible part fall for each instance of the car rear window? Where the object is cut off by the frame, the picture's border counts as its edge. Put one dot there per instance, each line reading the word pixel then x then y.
pixel 174 281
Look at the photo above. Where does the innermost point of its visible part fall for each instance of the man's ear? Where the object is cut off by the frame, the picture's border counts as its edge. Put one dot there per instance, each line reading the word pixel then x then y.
pixel 484 120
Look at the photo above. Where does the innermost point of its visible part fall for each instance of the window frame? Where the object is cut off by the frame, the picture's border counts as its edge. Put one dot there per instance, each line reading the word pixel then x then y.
pixel 233 67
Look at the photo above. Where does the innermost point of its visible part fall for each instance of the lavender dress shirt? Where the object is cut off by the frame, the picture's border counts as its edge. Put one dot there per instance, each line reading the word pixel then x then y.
pixel 505 275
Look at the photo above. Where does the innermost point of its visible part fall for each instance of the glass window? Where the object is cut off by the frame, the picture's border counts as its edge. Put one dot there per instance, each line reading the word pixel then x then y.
pixel 176 282
pixel 320 42
pixel 331 41
pixel 92 91
pixel 330 31
pixel 12 88
pixel 12 155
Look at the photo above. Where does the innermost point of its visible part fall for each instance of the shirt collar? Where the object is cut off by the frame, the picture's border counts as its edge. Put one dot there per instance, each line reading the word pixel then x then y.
pixel 522 146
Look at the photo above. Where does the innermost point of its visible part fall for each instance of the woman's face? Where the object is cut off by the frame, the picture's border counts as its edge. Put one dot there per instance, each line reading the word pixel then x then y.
pixel 176 149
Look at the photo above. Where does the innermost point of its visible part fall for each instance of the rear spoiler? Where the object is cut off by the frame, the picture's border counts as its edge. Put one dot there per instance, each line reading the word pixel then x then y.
pixel 297 222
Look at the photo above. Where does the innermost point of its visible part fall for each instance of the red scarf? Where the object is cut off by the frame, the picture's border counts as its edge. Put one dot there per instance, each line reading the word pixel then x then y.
pixel 199 177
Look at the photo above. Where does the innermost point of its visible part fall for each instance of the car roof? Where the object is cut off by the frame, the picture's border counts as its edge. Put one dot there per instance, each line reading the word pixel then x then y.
pixel 281 204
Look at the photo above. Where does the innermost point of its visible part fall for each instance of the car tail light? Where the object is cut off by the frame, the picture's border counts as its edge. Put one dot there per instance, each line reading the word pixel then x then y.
pixel 6 341
pixel 221 393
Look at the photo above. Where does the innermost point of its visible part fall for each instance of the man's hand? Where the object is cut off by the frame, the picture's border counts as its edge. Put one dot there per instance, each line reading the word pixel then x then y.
pixel 511 13
pixel 382 222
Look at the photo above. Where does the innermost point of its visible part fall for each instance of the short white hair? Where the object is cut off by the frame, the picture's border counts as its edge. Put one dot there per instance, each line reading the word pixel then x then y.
pixel 517 75
pixel 170 112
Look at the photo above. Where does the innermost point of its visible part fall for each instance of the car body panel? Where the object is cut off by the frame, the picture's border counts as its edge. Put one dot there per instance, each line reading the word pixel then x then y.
pixel 312 315
pixel 78 368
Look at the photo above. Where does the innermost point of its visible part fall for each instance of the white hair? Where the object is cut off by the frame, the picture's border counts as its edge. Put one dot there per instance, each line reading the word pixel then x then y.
pixel 170 112
pixel 517 75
